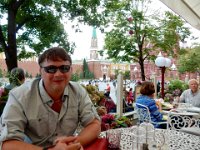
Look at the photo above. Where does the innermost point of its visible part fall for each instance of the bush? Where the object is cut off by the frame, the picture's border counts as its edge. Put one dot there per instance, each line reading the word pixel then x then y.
pixel 175 88
pixel 177 84
pixel 95 95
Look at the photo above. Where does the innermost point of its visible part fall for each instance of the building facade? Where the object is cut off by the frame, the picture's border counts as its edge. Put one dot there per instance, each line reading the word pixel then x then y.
pixel 102 68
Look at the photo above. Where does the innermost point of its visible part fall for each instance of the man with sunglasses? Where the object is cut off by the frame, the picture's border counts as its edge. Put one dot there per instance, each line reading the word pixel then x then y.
pixel 49 109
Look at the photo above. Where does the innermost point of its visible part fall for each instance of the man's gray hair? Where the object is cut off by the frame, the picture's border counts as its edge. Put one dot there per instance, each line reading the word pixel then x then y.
pixel 193 80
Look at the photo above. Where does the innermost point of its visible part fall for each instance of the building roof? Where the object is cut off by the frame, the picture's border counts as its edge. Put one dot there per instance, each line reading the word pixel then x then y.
pixel 187 9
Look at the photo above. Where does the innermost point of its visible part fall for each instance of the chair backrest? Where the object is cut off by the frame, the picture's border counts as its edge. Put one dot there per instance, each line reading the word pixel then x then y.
pixel 143 113
pixel 176 121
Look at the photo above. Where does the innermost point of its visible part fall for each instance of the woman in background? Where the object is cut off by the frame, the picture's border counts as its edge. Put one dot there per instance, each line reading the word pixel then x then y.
pixel 146 98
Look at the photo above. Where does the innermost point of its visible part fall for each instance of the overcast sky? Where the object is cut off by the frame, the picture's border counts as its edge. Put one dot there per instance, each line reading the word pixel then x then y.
pixel 83 39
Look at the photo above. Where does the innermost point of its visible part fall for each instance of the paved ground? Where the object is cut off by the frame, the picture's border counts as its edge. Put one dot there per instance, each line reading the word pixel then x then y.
pixel 102 87
pixel 113 92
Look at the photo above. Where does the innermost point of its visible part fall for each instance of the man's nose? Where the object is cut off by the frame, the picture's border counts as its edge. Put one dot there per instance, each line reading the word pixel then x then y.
pixel 58 72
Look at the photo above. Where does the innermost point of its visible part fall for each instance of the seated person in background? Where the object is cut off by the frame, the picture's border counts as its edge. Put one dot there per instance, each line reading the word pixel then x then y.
pixel 147 91
pixel 109 104
pixel 49 109
pixel 105 118
pixel 101 110
pixel 16 78
pixel 191 95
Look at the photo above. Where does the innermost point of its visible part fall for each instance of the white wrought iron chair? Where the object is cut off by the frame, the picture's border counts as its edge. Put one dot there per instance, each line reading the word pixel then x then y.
pixel 144 115
pixel 184 123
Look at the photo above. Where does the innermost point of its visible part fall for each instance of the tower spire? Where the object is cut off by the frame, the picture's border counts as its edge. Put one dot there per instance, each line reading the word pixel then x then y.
pixel 94 45
pixel 94 33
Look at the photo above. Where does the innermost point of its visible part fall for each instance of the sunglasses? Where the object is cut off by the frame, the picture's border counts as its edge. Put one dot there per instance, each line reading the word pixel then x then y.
pixel 53 69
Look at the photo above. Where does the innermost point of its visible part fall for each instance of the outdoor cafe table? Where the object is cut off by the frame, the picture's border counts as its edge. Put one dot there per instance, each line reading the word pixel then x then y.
pixel 174 140
pixel 192 111
pixel 188 111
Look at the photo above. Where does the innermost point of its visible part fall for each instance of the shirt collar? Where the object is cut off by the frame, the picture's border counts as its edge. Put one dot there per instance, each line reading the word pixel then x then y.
pixel 195 92
pixel 45 97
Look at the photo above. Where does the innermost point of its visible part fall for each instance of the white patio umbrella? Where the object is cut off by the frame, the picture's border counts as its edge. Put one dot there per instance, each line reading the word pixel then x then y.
pixel 187 9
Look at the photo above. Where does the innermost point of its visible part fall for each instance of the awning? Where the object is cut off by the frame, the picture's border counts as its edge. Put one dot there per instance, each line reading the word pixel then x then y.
pixel 187 9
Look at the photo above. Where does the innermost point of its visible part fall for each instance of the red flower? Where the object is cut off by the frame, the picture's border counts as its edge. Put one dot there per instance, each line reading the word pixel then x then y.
pixel 130 19
pixel 108 118
pixel 131 32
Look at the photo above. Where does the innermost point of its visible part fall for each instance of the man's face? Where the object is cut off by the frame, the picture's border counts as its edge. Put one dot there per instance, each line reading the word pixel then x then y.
pixel 55 82
pixel 193 86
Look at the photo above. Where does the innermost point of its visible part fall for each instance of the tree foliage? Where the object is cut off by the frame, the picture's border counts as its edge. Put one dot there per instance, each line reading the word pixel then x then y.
pixel 136 35
pixel 189 60
pixel 86 74
pixel 75 77
pixel 39 24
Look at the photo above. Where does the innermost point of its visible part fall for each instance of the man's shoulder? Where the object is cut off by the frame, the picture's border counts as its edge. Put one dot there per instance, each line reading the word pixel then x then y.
pixel 75 86
pixel 188 91
pixel 27 86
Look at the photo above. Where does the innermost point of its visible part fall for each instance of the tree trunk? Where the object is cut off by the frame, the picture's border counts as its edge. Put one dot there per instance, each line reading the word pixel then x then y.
pixel 11 51
pixel 142 70
pixel 141 62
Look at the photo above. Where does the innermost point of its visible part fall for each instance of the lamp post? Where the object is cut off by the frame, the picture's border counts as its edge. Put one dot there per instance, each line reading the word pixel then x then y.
pixel 173 68
pixel 135 69
pixel 162 63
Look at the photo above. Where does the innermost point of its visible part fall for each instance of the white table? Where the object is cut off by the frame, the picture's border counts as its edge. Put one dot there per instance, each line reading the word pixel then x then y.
pixel 194 109
pixel 179 112
pixel 191 130
pixel 174 140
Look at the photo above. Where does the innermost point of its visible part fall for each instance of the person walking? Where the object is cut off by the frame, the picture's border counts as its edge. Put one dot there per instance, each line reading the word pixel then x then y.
pixel 107 94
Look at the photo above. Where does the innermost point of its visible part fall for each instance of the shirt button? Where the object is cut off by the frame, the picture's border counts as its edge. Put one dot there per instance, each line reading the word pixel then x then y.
pixel 56 134
pixel 39 119
pixel 3 125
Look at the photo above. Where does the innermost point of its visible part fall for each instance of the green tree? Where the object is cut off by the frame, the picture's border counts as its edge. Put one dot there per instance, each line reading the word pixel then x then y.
pixel 37 25
pixel 26 74
pixel 37 75
pixel 86 72
pixel 75 77
pixel 85 69
pixel 136 34
pixel 117 71
pixel 189 60
pixel 127 75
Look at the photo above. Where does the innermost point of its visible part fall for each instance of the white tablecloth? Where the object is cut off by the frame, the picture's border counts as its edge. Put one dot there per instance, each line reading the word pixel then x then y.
pixel 174 140
pixel 194 109
pixel 180 112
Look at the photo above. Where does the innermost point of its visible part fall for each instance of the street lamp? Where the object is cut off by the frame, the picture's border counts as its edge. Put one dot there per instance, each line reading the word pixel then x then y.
pixel 135 69
pixel 173 67
pixel 134 73
pixel 162 63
